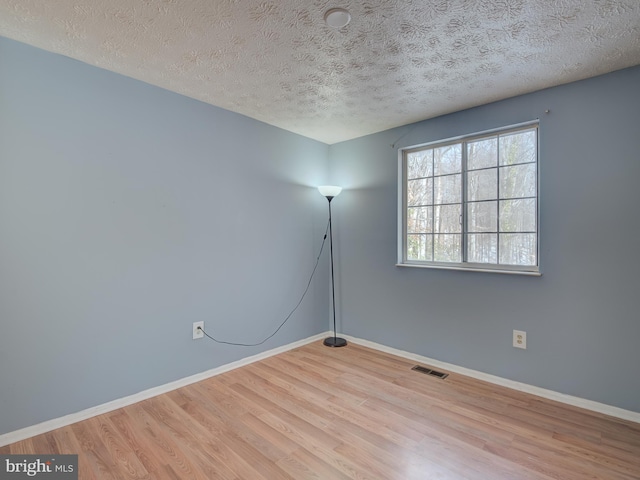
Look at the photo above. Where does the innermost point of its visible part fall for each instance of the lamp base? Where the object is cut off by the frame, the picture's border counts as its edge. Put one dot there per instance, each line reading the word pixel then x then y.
pixel 334 342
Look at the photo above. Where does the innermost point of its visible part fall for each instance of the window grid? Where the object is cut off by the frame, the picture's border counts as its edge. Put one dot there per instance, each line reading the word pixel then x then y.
pixel 433 201
pixel 500 165
pixel 498 203
pixel 465 196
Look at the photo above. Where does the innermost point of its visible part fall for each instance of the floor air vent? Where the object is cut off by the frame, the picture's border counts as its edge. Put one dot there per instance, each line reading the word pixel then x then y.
pixel 428 371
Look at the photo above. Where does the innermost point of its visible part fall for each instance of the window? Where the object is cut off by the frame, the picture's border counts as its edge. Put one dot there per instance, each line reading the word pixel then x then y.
pixel 472 203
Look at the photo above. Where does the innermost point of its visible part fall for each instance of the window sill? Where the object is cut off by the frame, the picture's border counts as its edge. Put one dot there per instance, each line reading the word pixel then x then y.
pixel 471 269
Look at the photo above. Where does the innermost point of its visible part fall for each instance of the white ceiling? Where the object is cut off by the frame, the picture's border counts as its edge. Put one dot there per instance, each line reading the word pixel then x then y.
pixel 397 62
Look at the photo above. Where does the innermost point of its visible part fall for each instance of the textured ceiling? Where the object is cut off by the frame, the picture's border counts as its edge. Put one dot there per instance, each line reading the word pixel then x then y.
pixel 397 62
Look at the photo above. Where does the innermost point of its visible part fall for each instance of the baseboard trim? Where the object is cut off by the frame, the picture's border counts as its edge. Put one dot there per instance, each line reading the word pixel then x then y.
pixel 523 387
pixel 47 426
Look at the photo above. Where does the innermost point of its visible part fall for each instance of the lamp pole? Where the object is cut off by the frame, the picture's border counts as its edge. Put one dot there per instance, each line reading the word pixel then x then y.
pixel 330 193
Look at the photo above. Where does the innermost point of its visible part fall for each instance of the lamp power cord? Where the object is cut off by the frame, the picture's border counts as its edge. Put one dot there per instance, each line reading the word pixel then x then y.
pixel 304 294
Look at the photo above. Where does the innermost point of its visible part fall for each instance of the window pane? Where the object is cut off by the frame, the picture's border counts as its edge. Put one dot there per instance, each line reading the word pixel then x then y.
pixel 518 249
pixel 482 217
pixel 447 159
pixel 482 248
pixel 483 184
pixel 482 153
pixel 518 215
pixel 420 247
pixel 518 148
pixel 492 185
pixel 518 181
pixel 420 192
pixel 420 164
pixel 446 219
pixel 419 220
pixel 448 189
pixel 447 248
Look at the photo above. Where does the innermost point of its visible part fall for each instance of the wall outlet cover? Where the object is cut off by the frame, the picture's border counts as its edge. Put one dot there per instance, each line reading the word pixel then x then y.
pixel 197 333
pixel 520 339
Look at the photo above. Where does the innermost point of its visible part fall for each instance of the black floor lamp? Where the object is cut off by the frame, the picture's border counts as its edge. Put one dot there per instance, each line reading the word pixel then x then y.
pixel 330 192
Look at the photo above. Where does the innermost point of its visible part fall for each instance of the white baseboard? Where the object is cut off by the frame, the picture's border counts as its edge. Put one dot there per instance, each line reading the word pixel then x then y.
pixel 60 422
pixel 55 423
pixel 523 387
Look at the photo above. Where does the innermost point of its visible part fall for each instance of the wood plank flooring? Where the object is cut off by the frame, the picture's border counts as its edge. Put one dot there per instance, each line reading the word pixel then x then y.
pixel 349 413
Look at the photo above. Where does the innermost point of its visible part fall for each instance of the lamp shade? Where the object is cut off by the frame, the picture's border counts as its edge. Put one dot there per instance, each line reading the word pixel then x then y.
pixel 329 190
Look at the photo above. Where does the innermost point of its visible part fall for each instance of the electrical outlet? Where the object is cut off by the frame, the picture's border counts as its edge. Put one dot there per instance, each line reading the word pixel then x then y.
pixel 197 333
pixel 520 339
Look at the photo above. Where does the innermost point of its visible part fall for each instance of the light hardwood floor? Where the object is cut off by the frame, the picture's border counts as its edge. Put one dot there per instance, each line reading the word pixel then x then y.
pixel 323 413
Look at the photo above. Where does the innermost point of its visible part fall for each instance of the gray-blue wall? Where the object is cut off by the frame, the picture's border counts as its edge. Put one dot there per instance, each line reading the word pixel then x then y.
pixel 128 212
pixel 582 317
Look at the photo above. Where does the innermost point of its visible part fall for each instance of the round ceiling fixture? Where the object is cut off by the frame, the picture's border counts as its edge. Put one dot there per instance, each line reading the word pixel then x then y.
pixel 337 17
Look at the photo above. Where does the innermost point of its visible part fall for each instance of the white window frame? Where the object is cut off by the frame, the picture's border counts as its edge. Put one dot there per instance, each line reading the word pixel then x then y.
pixel 464 265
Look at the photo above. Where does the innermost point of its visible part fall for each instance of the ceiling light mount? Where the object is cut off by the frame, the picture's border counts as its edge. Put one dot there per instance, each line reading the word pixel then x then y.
pixel 337 17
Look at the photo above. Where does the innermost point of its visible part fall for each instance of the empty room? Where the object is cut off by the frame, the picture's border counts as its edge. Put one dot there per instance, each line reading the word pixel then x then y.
pixel 246 239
